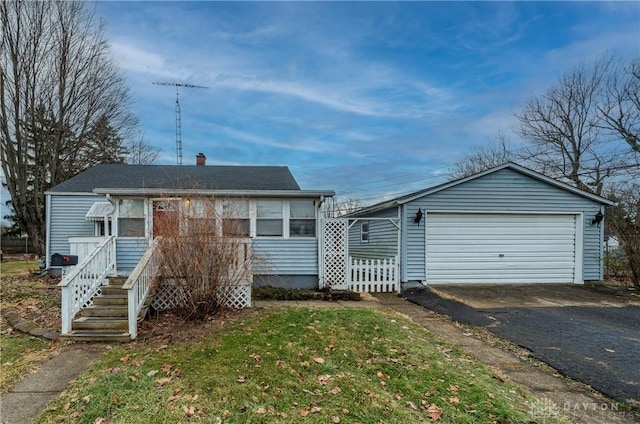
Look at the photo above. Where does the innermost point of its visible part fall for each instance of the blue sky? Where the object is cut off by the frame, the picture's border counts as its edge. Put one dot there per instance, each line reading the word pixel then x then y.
pixel 365 98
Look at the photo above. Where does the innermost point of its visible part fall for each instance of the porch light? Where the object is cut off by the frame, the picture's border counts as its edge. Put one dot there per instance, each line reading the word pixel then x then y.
pixel 597 219
pixel 418 217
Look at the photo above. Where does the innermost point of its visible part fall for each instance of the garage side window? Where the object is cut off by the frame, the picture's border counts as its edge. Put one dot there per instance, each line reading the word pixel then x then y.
pixel 131 218
pixel 302 220
pixel 364 232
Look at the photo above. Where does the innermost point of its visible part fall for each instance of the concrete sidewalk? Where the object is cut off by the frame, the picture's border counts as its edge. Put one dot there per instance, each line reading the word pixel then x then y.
pixel 30 396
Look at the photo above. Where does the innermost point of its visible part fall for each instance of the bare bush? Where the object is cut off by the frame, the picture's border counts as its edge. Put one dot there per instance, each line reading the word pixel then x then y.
pixel 200 257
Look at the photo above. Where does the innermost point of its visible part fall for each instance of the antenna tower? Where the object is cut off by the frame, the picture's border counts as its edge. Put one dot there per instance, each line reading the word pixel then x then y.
pixel 177 85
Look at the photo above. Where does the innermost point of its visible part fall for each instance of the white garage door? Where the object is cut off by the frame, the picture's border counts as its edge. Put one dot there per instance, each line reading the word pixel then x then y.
pixel 500 248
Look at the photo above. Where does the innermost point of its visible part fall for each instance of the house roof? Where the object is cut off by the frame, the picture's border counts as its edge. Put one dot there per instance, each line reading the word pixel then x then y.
pixel 112 178
pixel 508 165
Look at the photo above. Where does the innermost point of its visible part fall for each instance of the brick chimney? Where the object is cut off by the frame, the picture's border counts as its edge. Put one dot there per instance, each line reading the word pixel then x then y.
pixel 201 159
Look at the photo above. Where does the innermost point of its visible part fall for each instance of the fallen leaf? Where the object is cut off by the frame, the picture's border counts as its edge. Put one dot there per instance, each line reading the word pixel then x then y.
pixel 453 388
pixel 261 410
pixel 454 399
pixel 162 381
pixel 335 420
pixel 336 390
pixel 166 367
pixel 241 379
pixel 412 405
pixel 115 398
pixel 152 373
pixel 226 414
pixel 87 399
pixel 124 358
pixel 382 375
pixel 189 410
pixel 345 411
pixel 435 412
pixel 100 421
pixel 133 378
pixel 304 413
pixel 318 360
pixel 255 356
pixel 315 409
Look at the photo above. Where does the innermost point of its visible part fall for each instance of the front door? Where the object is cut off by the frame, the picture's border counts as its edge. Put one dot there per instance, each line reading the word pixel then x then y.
pixel 165 217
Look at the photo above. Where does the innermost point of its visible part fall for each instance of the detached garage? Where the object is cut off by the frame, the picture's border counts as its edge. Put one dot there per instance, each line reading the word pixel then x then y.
pixel 508 224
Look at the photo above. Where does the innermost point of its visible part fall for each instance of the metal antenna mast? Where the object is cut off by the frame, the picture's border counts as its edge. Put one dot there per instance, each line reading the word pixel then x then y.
pixel 177 85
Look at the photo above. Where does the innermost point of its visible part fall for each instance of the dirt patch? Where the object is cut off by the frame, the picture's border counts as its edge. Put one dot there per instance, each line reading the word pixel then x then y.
pixel 32 297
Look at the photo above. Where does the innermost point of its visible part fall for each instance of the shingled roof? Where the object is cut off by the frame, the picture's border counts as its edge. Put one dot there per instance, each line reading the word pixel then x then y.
pixel 173 177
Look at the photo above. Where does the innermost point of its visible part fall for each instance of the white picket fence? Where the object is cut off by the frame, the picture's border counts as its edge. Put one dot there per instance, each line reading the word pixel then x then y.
pixel 374 275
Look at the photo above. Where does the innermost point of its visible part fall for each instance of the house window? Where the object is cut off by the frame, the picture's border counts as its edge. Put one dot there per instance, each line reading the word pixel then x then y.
pixel 364 232
pixel 99 229
pixel 302 218
pixel 236 221
pixel 201 216
pixel 269 218
pixel 131 218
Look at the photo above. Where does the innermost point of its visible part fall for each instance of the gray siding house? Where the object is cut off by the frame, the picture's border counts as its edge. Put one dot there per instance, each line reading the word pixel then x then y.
pixel 278 218
pixel 508 224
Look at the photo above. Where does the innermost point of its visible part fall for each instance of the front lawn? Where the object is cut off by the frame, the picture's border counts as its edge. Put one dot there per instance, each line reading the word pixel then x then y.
pixel 311 365
pixel 32 297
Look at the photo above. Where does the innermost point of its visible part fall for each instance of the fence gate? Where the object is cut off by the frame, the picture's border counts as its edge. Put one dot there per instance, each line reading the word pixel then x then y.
pixel 334 253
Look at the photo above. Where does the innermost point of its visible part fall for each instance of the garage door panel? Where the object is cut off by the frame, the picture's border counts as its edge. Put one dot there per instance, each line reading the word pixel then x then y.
pixel 500 248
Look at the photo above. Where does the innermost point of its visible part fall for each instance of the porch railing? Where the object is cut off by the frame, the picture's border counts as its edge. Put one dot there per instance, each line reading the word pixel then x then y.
pixel 374 275
pixel 85 279
pixel 139 284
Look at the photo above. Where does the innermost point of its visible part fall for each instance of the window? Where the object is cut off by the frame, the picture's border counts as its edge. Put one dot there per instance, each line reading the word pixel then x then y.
pixel 131 218
pixel 99 229
pixel 269 218
pixel 302 218
pixel 364 232
pixel 235 218
pixel 201 216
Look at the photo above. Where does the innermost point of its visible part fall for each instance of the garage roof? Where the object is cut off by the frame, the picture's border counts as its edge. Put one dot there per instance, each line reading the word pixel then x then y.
pixel 508 165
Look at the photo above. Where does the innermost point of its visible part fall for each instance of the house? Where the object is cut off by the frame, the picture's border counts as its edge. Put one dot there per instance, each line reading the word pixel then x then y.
pixel 508 224
pixel 124 201
pixel 110 214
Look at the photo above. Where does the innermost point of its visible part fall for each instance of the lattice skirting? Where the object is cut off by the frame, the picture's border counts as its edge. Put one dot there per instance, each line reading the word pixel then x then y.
pixel 170 295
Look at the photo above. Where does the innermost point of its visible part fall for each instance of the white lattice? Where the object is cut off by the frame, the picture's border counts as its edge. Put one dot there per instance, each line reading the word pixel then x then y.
pixel 170 295
pixel 335 252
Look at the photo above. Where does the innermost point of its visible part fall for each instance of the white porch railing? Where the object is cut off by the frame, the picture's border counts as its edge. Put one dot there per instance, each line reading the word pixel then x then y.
pixel 138 285
pixel 85 279
pixel 374 275
pixel 83 246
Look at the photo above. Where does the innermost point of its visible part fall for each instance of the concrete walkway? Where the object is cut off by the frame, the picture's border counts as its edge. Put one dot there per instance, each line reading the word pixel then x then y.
pixel 30 396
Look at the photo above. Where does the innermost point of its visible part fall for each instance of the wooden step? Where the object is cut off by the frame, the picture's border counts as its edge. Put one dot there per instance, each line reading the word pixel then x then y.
pixel 113 291
pixel 97 336
pixel 110 300
pixel 104 311
pixel 100 323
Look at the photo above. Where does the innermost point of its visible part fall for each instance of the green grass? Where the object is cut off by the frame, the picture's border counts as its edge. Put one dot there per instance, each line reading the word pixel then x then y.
pixel 347 365
pixel 15 268
pixel 19 354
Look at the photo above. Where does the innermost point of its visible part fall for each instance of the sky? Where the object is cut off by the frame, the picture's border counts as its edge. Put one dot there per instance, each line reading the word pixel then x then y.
pixel 370 99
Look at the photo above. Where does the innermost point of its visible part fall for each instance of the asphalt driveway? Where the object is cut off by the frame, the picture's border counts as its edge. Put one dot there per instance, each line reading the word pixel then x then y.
pixel 591 335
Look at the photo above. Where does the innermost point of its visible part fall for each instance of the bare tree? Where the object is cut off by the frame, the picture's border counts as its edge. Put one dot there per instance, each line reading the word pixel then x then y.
pixel 483 157
pixel 140 152
pixel 63 102
pixel 620 109
pixel 565 133
pixel 343 206
pixel 623 221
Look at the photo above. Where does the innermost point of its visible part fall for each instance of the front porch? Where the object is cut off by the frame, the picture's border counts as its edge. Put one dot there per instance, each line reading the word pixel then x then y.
pixel 101 303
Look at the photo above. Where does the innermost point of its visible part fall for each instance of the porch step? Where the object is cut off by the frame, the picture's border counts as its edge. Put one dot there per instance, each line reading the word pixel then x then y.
pixel 97 336
pixel 104 311
pixel 100 323
pixel 110 300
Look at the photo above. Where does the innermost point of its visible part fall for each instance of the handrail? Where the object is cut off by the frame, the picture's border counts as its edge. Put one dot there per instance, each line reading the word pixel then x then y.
pixel 138 285
pixel 83 282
